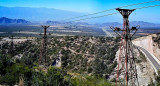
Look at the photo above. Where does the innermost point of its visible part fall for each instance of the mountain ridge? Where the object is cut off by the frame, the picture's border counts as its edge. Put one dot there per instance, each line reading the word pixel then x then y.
pixel 36 14
pixel 5 20
pixel 114 24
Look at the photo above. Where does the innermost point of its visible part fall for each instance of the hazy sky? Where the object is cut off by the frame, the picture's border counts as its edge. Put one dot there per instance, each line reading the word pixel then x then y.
pixel 90 6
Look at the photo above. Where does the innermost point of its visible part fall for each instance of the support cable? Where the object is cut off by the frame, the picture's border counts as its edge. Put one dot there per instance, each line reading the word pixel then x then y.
pixel 110 10
pixel 113 13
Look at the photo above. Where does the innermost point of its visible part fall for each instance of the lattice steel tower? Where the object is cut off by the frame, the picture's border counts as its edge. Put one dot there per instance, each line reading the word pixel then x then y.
pixel 126 70
pixel 43 52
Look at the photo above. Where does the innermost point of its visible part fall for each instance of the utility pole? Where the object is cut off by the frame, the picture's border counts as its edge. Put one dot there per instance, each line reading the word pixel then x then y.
pixel 43 52
pixel 126 70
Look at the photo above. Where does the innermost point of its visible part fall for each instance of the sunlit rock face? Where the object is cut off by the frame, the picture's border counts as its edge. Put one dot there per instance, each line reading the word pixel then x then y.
pixel 145 42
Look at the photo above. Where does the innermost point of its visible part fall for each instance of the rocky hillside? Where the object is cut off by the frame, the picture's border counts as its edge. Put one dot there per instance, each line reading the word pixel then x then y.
pixel 93 55
pixel 80 58
pixel 156 45
pixel 79 54
pixel 152 42
pixel 145 69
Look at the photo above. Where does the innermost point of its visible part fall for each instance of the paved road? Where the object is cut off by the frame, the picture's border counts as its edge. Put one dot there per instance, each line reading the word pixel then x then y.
pixel 108 34
pixel 149 56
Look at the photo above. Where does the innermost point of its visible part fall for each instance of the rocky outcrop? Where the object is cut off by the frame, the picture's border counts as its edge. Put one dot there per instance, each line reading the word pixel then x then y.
pixel 149 43
pixel 146 69
pixel 145 42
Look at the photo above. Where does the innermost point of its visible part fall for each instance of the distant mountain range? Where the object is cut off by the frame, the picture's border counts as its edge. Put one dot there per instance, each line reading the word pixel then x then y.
pixel 56 16
pixel 143 24
pixel 4 20
pixel 114 24
pixel 36 14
